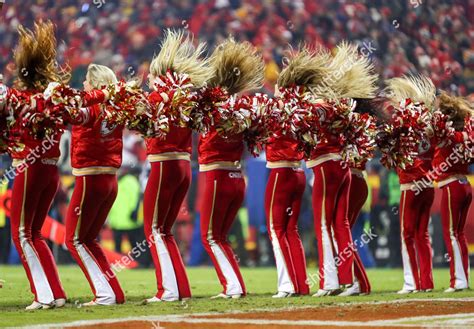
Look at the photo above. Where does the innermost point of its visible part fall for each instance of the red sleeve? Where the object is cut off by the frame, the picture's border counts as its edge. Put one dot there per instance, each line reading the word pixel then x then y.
pixel 86 116
pixel 94 97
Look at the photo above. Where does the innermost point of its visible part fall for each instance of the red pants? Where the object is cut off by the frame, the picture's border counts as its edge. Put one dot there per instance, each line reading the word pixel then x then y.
pixel 416 247
pixel 331 223
pixel 283 196
pixel 90 204
pixel 33 192
pixel 164 194
pixel 455 202
pixel 223 195
pixel 358 194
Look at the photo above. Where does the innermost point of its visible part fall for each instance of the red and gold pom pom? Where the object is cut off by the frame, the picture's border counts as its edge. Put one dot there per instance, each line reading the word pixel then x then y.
pixel 176 90
pixel 209 102
pixel 398 139
pixel 466 148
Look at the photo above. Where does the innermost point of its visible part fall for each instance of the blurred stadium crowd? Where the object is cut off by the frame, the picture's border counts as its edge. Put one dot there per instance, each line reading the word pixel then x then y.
pixel 434 37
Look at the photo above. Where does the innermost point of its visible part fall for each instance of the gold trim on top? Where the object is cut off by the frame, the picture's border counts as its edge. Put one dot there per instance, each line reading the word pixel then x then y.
pixel 169 156
pixel 451 179
pixel 46 161
pixel 323 158
pixel 220 165
pixel 283 164
pixel 359 173
pixel 94 171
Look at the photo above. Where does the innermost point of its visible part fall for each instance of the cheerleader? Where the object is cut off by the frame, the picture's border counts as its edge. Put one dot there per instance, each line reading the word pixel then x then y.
pixel 415 94
pixel 451 172
pixel 358 193
pixel 96 155
pixel 332 179
pixel 285 188
pixel 170 174
pixel 237 68
pixel 359 83
pixel 36 174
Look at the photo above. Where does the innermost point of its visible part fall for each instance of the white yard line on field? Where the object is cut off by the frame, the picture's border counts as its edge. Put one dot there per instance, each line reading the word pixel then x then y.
pixel 451 319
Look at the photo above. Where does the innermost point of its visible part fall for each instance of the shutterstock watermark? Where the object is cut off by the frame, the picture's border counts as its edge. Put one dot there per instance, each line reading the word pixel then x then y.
pixel 127 259
pixel 31 158
pixel 419 185
pixel 365 238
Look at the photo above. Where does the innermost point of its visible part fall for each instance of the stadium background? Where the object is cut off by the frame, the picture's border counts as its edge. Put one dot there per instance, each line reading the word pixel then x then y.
pixel 431 37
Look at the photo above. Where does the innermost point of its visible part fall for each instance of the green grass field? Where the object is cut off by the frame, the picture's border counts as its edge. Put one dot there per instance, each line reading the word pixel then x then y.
pixel 140 284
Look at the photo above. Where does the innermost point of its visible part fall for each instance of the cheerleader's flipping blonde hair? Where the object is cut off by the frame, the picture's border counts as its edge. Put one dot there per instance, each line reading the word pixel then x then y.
pixel 237 67
pixel 417 197
pixel 170 175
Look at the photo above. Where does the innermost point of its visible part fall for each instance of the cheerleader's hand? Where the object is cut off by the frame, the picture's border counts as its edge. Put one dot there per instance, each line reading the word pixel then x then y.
pixel 48 92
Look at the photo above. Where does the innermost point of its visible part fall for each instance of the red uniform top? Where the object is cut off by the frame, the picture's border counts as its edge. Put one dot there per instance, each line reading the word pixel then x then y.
pixel 327 150
pixel 177 141
pixel 215 148
pixel 96 148
pixel 421 166
pixel 48 148
pixel 330 145
pixel 447 161
pixel 283 148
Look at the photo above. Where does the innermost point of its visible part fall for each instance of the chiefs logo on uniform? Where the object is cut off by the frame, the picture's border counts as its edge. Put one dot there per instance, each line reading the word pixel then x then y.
pixel 424 146
pixel 106 129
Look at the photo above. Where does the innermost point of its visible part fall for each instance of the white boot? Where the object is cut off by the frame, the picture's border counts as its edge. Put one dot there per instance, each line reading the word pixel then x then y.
pixel 282 294
pixel 60 302
pixel 224 296
pixel 91 303
pixel 353 290
pixel 322 293
pixel 451 290
pixel 37 306
pixel 406 292
pixel 152 300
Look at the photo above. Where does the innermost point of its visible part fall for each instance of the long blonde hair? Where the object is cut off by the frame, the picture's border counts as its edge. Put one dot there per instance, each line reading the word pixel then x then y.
pixel 354 76
pixel 178 54
pixel 35 58
pixel 306 67
pixel 237 67
pixel 99 76
pixel 418 88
